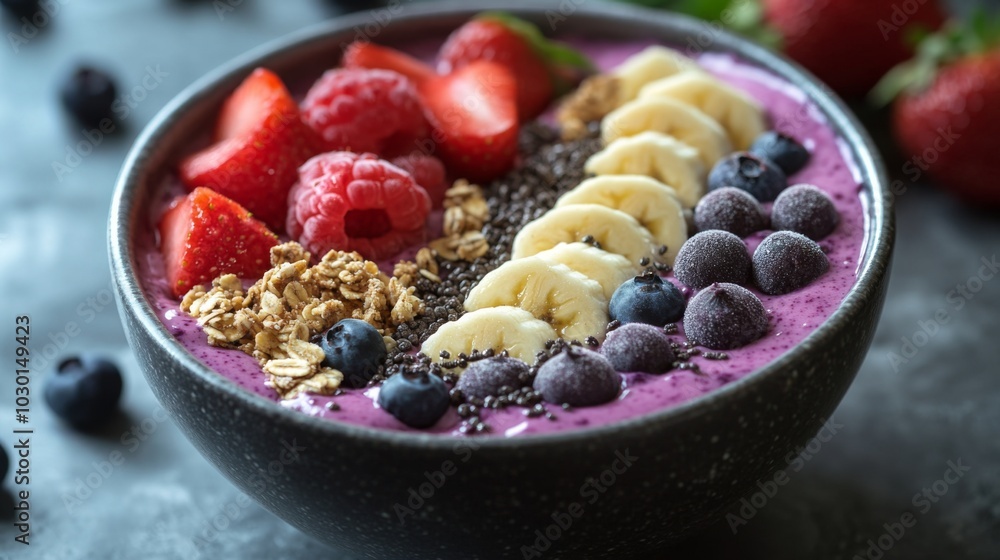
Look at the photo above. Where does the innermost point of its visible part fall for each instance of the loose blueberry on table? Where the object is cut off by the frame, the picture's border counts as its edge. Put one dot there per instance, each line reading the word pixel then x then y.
pixel 404 236
pixel 84 390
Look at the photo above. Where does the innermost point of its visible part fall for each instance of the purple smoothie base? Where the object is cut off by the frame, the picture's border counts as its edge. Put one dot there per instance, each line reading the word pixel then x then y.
pixel 793 316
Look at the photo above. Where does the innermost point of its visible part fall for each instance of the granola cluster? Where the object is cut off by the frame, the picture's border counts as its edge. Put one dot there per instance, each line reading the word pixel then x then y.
pixel 465 212
pixel 274 319
pixel 596 97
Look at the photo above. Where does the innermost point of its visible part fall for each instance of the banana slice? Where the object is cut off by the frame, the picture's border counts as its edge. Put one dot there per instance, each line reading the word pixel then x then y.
pixel 656 155
pixel 649 65
pixel 740 115
pixel 653 204
pixel 501 328
pixel 669 116
pixel 607 269
pixel 616 231
pixel 571 303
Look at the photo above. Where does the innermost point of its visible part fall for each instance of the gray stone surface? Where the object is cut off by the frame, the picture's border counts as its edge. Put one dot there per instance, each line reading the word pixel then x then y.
pixel 898 427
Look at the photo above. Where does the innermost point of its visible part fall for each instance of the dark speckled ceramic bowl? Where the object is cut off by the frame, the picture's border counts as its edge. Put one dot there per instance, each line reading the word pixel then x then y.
pixel 487 498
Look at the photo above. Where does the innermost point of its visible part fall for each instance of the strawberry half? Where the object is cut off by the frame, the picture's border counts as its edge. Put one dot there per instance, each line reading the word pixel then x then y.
pixel 362 54
pixel 204 235
pixel 473 112
pixel 260 141
pixel 538 64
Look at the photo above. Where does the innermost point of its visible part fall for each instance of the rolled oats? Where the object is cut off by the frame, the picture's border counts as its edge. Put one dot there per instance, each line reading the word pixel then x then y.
pixel 274 319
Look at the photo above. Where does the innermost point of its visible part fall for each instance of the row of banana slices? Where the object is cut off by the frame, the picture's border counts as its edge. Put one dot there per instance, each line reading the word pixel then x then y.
pixel 673 122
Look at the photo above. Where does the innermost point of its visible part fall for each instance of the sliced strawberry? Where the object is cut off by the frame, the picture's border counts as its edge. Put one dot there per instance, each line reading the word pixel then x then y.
pixel 474 114
pixel 205 235
pixel 539 65
pixel 362 54
pixel 260 141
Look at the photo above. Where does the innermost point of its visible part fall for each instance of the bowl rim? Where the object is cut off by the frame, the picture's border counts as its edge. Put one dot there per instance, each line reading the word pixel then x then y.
pixel 877 244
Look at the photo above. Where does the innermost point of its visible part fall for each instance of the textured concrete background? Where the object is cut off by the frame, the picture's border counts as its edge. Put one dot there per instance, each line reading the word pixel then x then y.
pixel 899 426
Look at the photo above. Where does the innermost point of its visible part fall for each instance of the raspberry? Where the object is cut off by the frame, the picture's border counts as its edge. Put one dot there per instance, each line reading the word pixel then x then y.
pixel 428 172
pixel 356 202
pixel 364 110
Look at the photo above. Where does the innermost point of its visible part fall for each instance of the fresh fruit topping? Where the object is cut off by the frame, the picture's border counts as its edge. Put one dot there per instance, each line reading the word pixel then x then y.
pixel 786 261
pixel 492 376
pixel 655 155
pixel 671 117
pixel 428 172
pixel 782 150
pixel 712 256
pixel 944 119
pixel 356 202
pixel 260 141
pixel 759 177
pixel 654 205
pixel 647 299
pixel 607 269
pixel 725 316
pixel 89 95
pixel 492 328
pixel 637 347
pixel 362 110
pixel 418 400
pixel 355 348
pixel 741 116
pixel 651 64
pixel 730 209
pixel 473 112
pixel 205 235
pixel 871 34
pixel 573 304
pixel 805 209
pixel 611 230
pixel 578 377
pixel 537 63
pixel 367 55
pixel 84 390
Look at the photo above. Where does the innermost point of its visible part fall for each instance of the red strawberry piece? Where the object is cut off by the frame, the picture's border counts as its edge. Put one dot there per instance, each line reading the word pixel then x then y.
pixel 949 128
pixel 205 235
pixel 428 172
pixel 362 54
pixel 356 202
pixel 850 44
pixel 537 64
pixel 363 110
pixel 473 112
pixel 260 141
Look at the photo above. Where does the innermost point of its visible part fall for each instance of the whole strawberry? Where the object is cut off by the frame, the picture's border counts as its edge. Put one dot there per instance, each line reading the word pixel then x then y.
pixel 538 65
pixel 850 44
pixel 946 117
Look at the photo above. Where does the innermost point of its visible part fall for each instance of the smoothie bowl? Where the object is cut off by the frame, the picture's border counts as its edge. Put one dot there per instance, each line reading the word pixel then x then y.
pixel 507 326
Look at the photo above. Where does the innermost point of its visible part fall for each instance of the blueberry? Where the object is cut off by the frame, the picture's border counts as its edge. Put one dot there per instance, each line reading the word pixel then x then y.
pixel 781 149
pixel 647 299
pixel 484 378
pixel 786 261
pixel 417 400
pixel 804 209
pixel 88 94
pixel 712 256
pixel 20 8
pixel 84 390
pixel 578 377
pixel 725 316
pixel 638 347
pixel 355 348
pixel 745 171
pixel 730 209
